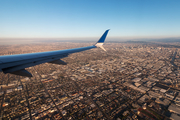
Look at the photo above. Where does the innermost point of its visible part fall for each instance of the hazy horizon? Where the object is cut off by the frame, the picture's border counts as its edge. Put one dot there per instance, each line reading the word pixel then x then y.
pixel 11 41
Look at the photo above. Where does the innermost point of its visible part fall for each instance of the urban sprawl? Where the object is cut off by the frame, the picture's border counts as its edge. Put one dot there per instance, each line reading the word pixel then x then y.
pixel 130 81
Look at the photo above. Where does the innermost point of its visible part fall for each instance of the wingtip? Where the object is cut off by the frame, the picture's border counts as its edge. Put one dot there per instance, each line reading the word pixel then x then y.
pixel 107 30
pixel 103 37
pixel 101 40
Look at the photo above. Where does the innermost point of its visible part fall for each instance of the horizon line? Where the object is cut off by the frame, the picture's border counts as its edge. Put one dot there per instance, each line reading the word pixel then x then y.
pixel 75 38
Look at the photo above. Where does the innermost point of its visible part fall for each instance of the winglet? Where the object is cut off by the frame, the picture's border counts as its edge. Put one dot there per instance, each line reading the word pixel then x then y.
pixel 101 40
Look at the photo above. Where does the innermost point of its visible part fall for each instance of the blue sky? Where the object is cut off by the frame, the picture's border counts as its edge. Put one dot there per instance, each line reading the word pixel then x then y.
pixel 89 18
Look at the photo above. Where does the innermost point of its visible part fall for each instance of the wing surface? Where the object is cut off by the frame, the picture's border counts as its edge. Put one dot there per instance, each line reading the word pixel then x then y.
pixel 16 64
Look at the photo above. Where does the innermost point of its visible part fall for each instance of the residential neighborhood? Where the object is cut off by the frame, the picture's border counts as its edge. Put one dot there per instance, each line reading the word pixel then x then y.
pixel 130 81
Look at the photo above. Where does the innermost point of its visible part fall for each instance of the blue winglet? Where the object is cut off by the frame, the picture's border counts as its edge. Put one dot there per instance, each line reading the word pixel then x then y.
pixel 101 40
pixel 103 37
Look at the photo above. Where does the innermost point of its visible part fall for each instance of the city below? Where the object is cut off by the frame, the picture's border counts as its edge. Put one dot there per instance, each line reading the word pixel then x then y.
pixel 131 81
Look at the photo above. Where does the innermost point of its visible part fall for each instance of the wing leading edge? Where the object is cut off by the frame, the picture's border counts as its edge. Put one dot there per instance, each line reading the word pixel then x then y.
pixel 16 64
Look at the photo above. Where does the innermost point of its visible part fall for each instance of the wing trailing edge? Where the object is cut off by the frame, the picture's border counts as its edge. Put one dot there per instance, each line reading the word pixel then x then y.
pixel 59 62
pixel 22 72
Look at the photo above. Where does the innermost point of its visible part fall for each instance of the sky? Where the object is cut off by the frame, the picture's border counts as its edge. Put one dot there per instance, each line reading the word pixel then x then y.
pixel 89 18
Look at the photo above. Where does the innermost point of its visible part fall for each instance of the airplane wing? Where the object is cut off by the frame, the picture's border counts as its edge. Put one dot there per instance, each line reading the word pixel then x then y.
pixel 16 64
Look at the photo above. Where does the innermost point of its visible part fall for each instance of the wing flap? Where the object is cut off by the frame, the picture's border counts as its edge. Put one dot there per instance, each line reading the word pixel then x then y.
pixel 59 62
pixel 22 72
